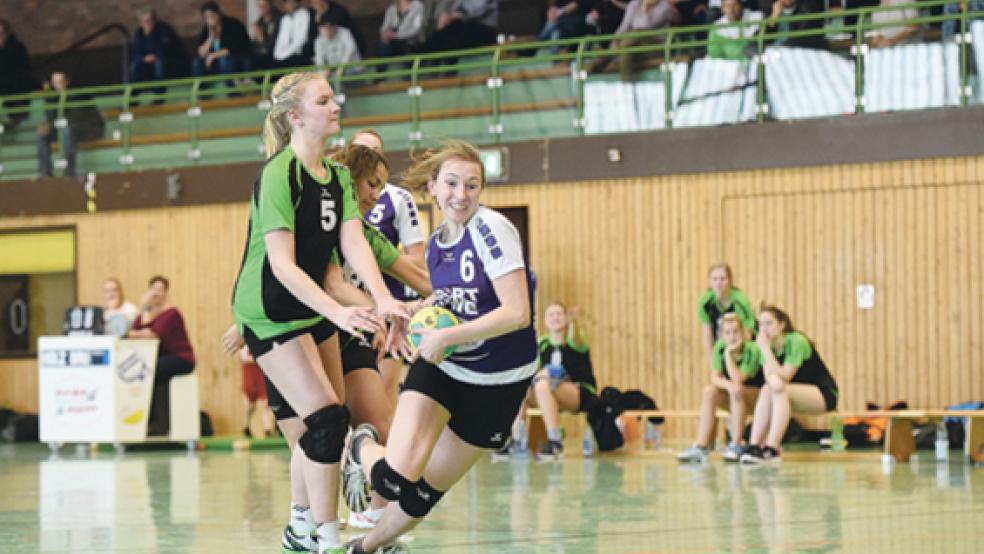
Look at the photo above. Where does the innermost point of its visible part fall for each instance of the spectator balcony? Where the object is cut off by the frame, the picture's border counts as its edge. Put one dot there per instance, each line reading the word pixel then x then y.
pixel 501 94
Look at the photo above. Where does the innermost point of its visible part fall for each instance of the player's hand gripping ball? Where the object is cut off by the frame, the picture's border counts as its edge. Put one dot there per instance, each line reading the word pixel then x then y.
pixel 431 317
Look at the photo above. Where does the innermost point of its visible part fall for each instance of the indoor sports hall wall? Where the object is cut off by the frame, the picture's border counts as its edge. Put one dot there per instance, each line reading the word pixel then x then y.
pixel 633 254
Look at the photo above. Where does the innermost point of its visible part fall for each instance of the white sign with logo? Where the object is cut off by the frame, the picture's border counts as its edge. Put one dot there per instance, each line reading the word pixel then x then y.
pixel 94 389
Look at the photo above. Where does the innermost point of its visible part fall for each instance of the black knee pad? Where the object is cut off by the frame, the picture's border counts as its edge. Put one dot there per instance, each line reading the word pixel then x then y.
pixel 325 436
pixel 418 500
pixel 387 482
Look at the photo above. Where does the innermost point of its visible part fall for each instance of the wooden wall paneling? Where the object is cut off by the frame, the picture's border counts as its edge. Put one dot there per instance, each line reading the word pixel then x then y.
pixel 633 255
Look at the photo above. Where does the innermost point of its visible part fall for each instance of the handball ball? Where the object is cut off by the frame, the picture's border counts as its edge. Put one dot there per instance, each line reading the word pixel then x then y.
pixel 431 317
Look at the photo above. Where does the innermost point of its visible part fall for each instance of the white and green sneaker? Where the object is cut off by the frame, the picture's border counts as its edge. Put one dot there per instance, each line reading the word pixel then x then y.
pixel 355 483
pixel 694 455
pixel 294 541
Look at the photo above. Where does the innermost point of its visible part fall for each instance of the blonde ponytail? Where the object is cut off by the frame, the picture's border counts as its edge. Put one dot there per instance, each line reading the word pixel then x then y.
pixel 286 97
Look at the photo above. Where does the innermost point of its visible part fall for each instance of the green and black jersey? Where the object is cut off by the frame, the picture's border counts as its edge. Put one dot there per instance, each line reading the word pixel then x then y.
pixel 574 356
pixel 749 362
pixel 709 309
pixel 287 196
pixel 797 351
pixel 383 250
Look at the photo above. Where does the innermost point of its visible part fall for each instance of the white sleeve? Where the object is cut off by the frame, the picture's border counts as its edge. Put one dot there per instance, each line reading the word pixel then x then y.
pixel 350 49
pixel 302 21
pixel 406 220
pixel 497 244
pixel 130 312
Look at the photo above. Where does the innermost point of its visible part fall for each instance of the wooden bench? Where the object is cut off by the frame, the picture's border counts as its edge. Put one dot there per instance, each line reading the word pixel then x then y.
pixel 899 440
pixel 537 432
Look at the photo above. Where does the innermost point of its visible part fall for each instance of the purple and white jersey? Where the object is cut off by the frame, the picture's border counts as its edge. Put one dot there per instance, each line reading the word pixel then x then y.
pixel 395 215
pixel 461 274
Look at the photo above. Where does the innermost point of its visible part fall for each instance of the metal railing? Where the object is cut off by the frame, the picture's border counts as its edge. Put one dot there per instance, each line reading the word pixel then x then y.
pixel 665 44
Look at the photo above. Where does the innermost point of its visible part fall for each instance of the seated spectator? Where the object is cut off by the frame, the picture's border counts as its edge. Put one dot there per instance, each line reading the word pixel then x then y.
pixel 15 67
pixel 80 123
pixel 223 45
pixel 736 377
pixel 157 50
pixel 434 11
pixel 159 320
pixel 796 380
pixel 786 8
pixel 465 24
pixel 265 33
pixel 565 19
pixel 321 7
pixel 399 35
pixel 605 16
pixel 566 381
pixel 884 37
pixel 640 15
pixel 950 26
pixel 334 44
pixel 292 36
pixel 118 314
pixel 729 42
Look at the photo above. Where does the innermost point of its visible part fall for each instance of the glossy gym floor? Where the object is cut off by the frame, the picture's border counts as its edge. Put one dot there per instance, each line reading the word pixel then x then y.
pixel 226 501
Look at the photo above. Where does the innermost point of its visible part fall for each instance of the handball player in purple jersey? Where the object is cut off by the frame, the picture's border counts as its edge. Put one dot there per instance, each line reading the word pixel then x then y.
pixel 455 408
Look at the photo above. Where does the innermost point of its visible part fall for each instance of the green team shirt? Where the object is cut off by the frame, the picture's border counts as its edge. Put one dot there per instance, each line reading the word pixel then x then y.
pixel 286 196
pixel 709 309
pixel 574 355
pixel 798 352
pixel 383 250
pixel 749 362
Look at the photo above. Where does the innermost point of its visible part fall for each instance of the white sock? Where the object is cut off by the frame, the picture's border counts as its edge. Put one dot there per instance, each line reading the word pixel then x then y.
pixel 327 534
pixel 301 520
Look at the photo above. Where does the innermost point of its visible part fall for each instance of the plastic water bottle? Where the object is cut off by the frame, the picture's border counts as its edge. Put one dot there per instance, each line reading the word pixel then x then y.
pixel 654 434
pixel 588 444
pixel 556 374
pixel 837 442
pixel 942 443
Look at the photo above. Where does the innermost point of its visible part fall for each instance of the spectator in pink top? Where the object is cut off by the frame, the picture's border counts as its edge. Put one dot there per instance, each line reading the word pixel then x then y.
pixel 640 15
pixel 160 320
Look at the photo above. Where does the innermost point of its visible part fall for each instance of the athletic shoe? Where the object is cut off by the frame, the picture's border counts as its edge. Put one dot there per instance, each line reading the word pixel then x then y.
pixel 693 455
pixel 503 453
pixel 355 483
pixel 551 450
pixel 733 452
pixel 364 520
pixel 294 542
pixel 758 455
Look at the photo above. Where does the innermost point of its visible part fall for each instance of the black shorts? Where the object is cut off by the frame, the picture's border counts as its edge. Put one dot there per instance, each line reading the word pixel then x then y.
pixel 481 415
pixel 587 398
pixel 278 404
pixel 829 398
pixel 356 354
pixel 320 332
